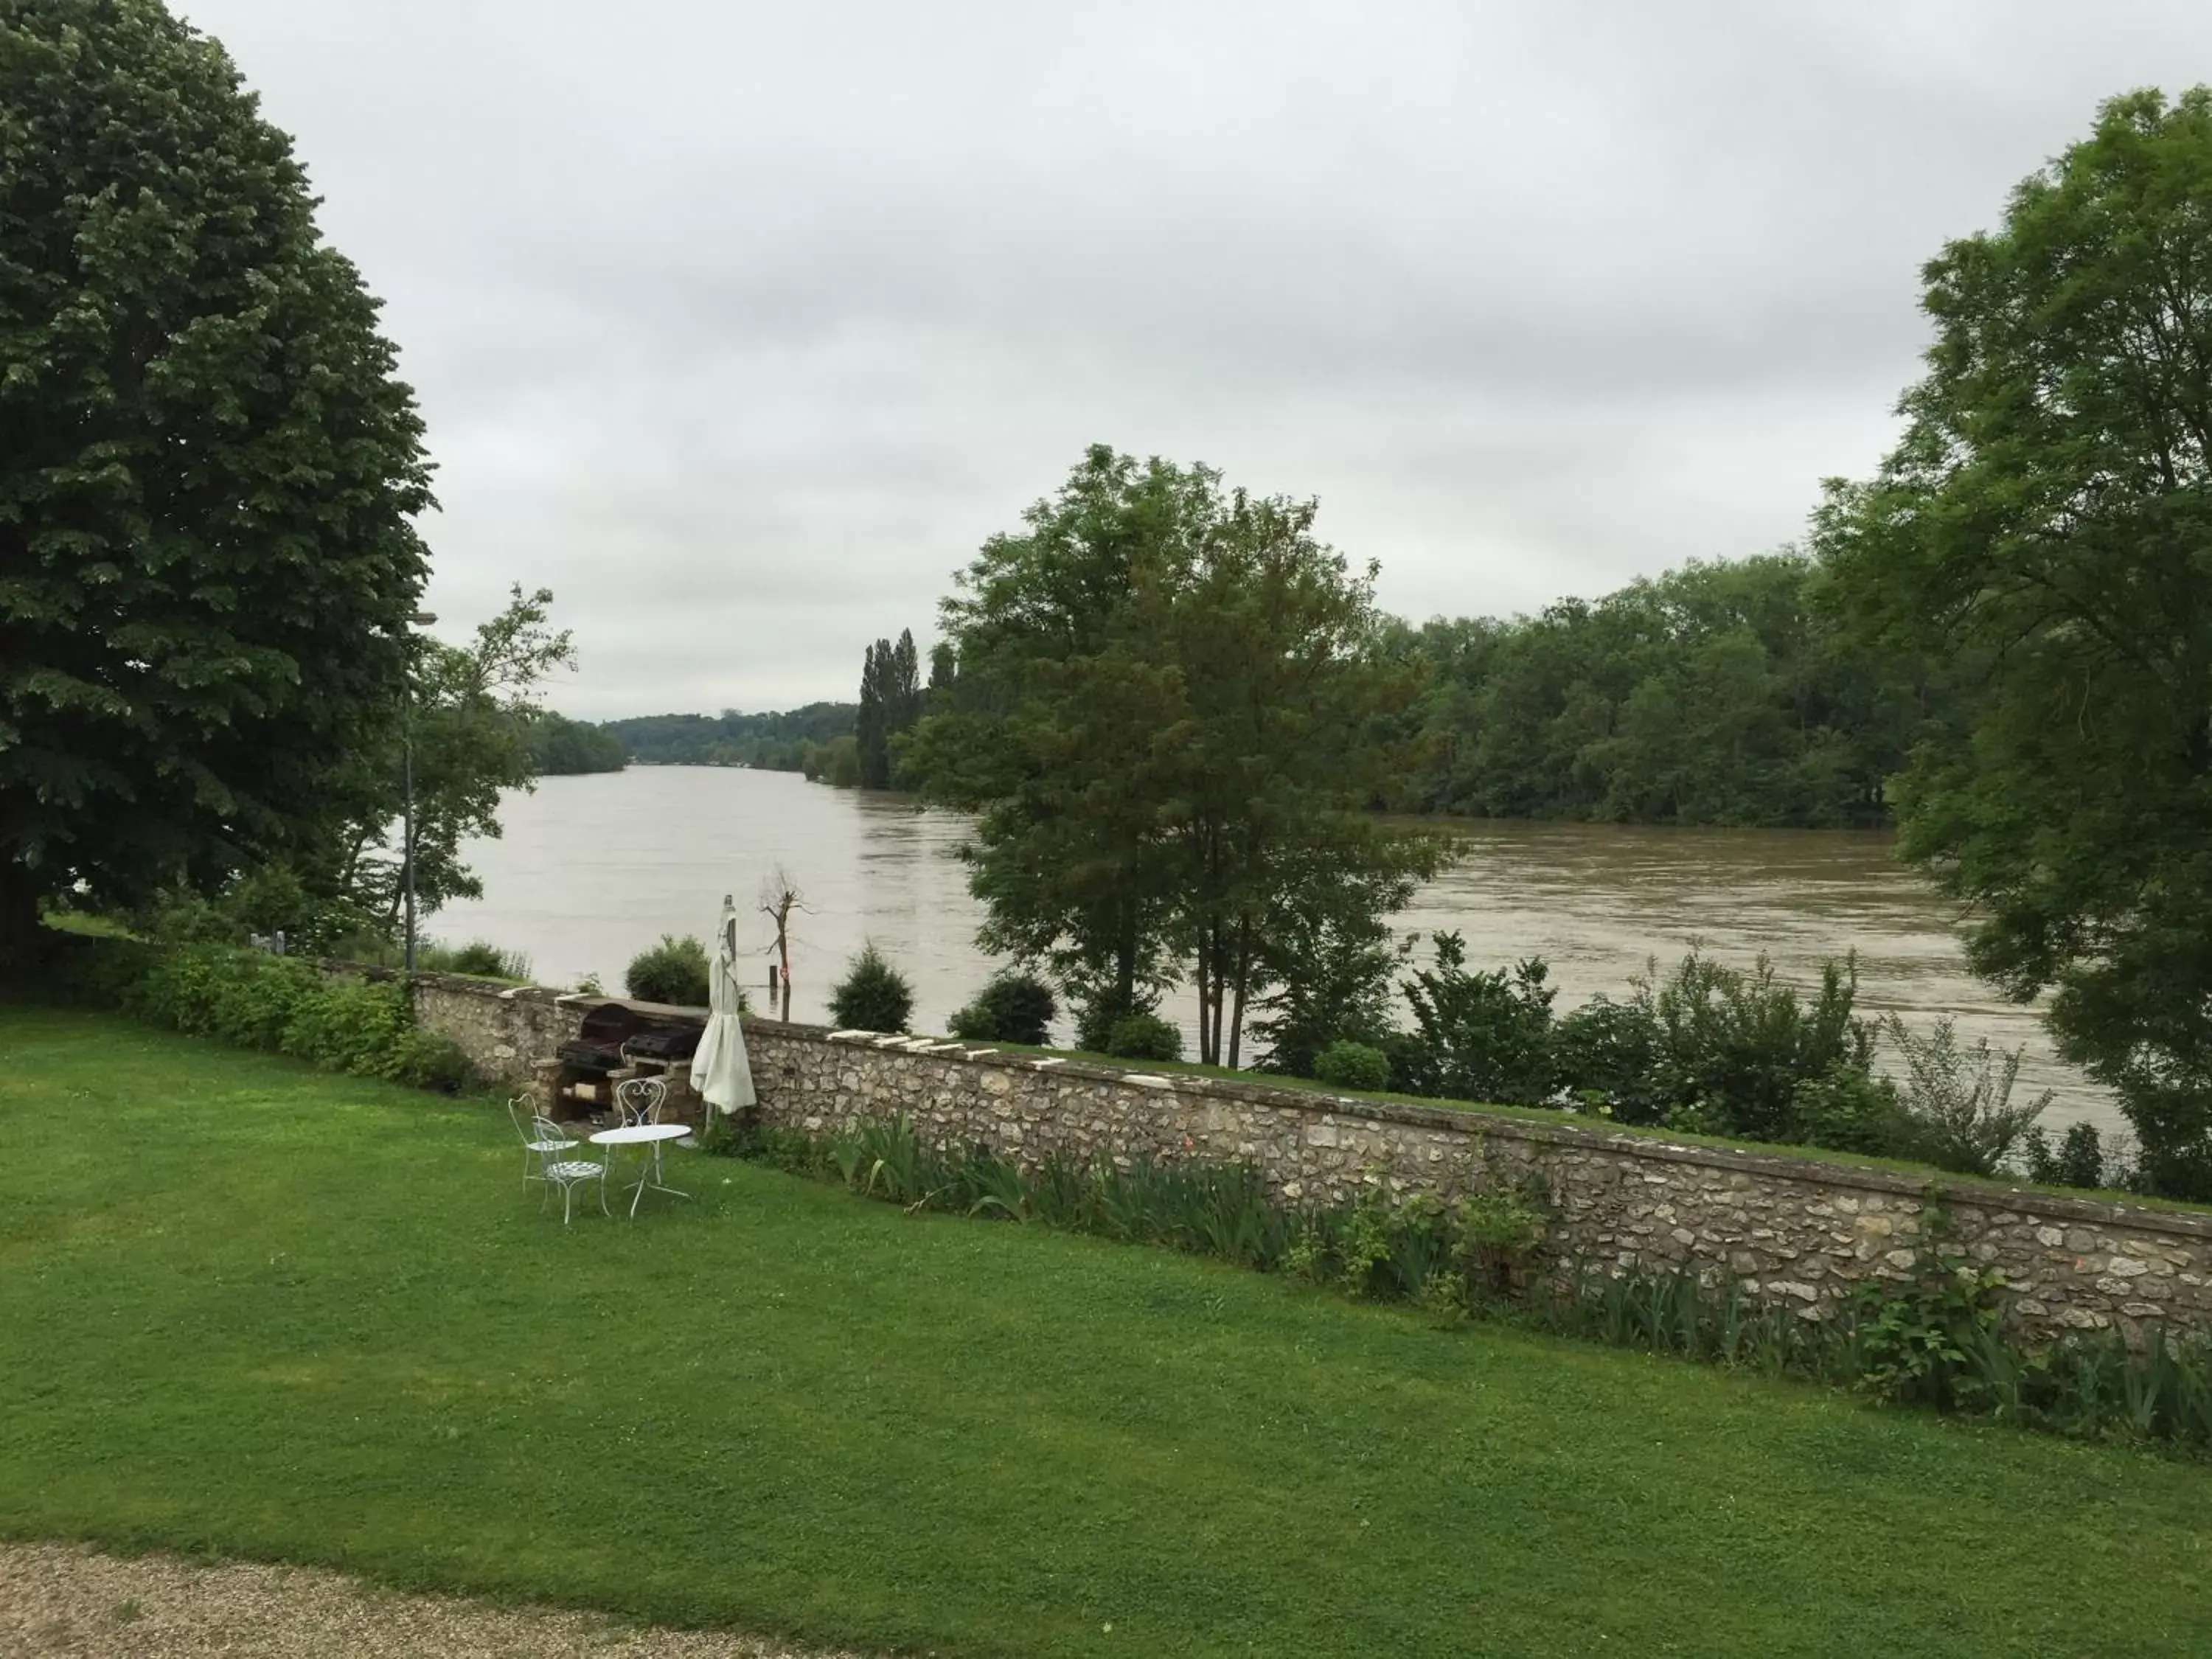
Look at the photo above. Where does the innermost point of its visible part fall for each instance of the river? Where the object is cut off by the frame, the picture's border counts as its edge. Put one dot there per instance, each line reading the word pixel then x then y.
pixel 591 870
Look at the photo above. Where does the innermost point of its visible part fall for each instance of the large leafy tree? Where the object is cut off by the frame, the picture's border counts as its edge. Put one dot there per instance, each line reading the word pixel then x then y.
pixel 1171 713
pixel 208 475
pixel 2048 516
pixel 1271 750
pixel 1048 726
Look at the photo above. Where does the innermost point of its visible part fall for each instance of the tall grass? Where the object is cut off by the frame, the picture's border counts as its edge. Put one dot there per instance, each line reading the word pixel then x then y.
pixel 1936 1340
pixel 1915 1345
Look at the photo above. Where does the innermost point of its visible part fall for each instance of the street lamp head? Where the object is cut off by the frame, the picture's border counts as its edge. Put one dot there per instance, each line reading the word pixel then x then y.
pixel 423 618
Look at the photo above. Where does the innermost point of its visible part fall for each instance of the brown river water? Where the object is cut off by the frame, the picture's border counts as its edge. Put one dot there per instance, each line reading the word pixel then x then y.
pixel 591 870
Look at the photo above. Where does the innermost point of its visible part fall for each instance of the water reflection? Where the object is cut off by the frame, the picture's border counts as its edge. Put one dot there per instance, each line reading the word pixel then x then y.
pixel 592 870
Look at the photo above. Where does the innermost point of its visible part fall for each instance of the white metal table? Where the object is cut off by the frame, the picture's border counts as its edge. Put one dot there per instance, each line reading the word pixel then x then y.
pixel 654 1135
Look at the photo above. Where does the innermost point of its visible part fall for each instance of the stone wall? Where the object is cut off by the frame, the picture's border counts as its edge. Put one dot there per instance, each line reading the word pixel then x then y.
pixel 1792 1231
pixel 504 1031
pixel 1795 1231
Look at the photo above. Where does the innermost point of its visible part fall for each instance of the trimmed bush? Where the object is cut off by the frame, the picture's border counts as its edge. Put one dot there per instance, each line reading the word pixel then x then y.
pixel 1144 1037
pixel 1347 1065
pixel 1013 1008
pixel 357 1028
pixel 674 971
pixel 257 1000
pixel 873 996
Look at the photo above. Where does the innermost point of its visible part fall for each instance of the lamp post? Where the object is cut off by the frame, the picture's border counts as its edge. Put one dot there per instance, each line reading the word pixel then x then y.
pixel 420 619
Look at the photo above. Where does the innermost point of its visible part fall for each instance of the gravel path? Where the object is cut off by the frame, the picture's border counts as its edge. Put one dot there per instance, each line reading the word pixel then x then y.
pixel 60 1599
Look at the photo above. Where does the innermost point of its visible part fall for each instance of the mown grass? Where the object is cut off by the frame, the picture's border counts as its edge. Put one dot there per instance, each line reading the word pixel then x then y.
pixel 255 1309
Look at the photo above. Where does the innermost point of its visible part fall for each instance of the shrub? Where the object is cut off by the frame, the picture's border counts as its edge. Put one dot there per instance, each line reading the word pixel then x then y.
pixel 1849 1110
pixel 241 996
pixel 1958 1104
pixel 1352 1065
pixel 1497 1233
pixel 479 957
pixel 1736 1047
pixel 1482 1036
pixel 1605 1055
pixel 1097 1012
pixel 95 970
pixel 267 902
pixel 674 971
pixel 1014 1007
pixel 1144 1037
pixel 1331 970
pixel 356 1028
pixel 424 1060
pixel 187 917
pixel 873 996
pixel 2079 1161
pixel 261 1002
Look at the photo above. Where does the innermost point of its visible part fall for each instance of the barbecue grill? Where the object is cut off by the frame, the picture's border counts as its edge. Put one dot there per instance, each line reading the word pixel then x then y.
pixel 597 1047
pixel 669 1045
pixel 617 1035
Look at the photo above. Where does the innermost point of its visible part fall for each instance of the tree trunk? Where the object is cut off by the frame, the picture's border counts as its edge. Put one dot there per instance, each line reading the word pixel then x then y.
pixel 1124 966
pixel 1203 985
pixel 783 952
pixel 1209 1009
pixel 1243 981
pixel 24 941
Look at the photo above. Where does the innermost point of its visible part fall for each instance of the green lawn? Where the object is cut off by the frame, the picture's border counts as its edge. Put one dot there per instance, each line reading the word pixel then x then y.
pixel 249 1308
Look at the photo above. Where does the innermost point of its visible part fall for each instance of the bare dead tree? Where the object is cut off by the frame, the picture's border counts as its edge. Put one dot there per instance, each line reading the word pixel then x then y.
pixel 781 895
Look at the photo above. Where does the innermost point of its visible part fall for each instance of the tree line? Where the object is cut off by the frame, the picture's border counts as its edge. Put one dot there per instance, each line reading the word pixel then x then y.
pixel 778 742
pixel 1725 693
pixel 1731 692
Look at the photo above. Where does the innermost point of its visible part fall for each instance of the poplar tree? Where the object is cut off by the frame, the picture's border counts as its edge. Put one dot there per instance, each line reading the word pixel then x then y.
pixel 871 726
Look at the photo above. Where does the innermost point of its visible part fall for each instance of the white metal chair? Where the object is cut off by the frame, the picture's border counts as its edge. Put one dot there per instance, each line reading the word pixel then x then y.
pixel 543 1143
pixel 522 1112
pixel 639 1100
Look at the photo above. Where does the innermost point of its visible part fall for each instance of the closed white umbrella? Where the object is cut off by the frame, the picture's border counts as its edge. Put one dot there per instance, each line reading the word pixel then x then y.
pixel 720 1073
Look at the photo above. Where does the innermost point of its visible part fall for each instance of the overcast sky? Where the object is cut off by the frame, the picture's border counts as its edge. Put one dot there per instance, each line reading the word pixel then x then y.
pixel 741 325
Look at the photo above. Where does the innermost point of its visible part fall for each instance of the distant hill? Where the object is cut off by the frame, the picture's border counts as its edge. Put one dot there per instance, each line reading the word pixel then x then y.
pixel 773 741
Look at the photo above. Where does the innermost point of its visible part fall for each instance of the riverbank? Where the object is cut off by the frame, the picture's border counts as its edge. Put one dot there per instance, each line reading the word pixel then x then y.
pixel 592 870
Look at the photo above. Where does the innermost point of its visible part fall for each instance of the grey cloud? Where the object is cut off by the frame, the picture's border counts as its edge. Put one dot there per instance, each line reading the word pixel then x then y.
pixel 741 325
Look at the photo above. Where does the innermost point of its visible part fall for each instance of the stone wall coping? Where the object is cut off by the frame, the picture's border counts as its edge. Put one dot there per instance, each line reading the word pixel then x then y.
pixel 1326 1107
pixel 468 985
